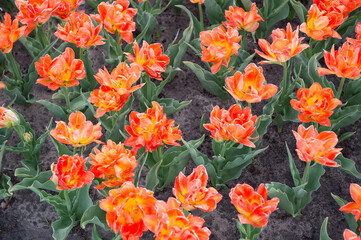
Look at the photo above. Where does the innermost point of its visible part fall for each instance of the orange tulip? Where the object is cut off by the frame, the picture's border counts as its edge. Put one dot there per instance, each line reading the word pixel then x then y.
pixel 315 104
pixel 121 79
pixel 234 124
pixel 318 25
pixel 249 86
pixel 78 133
pixel 151 129
pixel 67 8
pixel 358 31
pixel 191 191
pixel 285 44
pixel 80 30
pixel 107 99
pixel 126 207
pixel 149 58
pixel 2 85
pixel 351 5
pixel 345 62
pixel 62 71
pixel 218 45
pixel 69 173
pixel 170 223
pixel 354 207
pixel 33 12
pixel 238 18
pixel 10 32
pixel 114 163
pixel 254 208
pixel 8 118
pixel 318 147
pixel 349 235
pixel 117 16
pixel 197 1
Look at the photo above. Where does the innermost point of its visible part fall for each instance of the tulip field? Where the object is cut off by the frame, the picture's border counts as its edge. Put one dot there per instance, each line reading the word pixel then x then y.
pixel 180 119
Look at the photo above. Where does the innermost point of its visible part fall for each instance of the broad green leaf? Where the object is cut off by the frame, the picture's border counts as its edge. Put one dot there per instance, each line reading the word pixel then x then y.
pixel 294 171
pixel 323 231
pixel 62 227
pixel 171 106
pixel 214 12
pixel 152 178
pixel 95 215
pixel 62 149
pixel 348 166
pixel 350 218
pixel 196 24
pixel 281 191
pixel 55 109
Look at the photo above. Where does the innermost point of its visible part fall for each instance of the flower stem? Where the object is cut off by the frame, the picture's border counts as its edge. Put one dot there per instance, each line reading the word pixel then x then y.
pixel 284 78
pixel 339 91
pixel 75 150
pixel 66 96
pixel 249 105
pixel 305 173
pixel 249 230
pixel 201 16
pixel 67 201
pixel 142 160
pixel 43 38
pixel 14 66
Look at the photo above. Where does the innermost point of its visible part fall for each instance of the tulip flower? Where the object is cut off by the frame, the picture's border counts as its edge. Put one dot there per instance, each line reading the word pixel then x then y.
pixel 2 85
pixel 349 235
pixel 79 132
pixel 149 58
pixel 80 30
pixel 234 124
pixel 66 8
pixel 126 206
pixel 151 129
pixel 285 44
pixel 121 79
pixel 8 118
pixel 10 32
pixel 197 1
pixel 34 12
pixel 117 17
pixel 170 223
pixel 358 31
pixel 191 191
pixel 319 147
pixel 114 163
pixel 62 71
pixel 354 207
pixel 351 5
pixel 345 62
pixel 315 104
pixel 218 45
pixel 238 18
pixel 254 208
pixel 318 25
pixel 249 86
pixel 107 99
pixel 69 173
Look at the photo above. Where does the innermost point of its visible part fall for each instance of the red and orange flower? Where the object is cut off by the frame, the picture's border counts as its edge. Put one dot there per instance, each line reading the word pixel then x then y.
pixel 218 45
pixel 318 25
pixel 238 18
pixel 285 44
pixel 66 8
pixel 62 71
pixel 319 147
pixel 345 62
pixel 250 86
pixel 69 173
pixel 149 58
pixel 8 118
pixel 349 235
pixel 80 30
pixel 192 192
pixel 10 32
pixel 121 79
pixel 234 124
pixel 170 223
pixel 151 129
pixel 33 12
pixel 354 207
pixel 315 104
pixel 114 163
pixel 117 17
pixel 197 1
pixel 254 208
pixel 126 207
pixel 79 132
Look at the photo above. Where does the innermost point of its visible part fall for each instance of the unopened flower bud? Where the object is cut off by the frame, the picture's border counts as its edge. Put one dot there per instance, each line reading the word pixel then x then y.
pixel 8 118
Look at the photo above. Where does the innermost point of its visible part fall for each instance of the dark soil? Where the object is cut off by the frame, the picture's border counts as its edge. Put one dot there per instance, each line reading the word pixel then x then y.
pixel 27 218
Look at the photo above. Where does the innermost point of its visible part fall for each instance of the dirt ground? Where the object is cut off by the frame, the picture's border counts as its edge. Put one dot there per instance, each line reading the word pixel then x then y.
pixel 27 218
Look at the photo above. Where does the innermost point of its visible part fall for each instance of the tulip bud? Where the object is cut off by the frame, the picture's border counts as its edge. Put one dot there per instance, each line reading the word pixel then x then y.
pixel 8 118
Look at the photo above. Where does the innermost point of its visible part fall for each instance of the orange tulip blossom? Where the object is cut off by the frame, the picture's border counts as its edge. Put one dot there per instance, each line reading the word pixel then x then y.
pixel 10 32
pixel 349 235
pixel 66 8
pixel 354 207
pixel 238 18
pixel 8 118
pixel 319 147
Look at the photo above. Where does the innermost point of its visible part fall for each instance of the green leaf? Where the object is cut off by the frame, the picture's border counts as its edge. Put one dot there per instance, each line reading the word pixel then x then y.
pixel 300 10
pixel 294 171
pixel 55 109
pixel 350 218
pixel 171 106
pixel 345 136
pixel 214 12
pixel 323 231
pixel 2 150
pixel 82 202
pixel 284 193
pixel 90 82
pixel 152 178
pixel 95 215
pixel 96 234
pixel 62 227
pixel 61 148
pixel 347 165
pixel 196 24
pixel 5 187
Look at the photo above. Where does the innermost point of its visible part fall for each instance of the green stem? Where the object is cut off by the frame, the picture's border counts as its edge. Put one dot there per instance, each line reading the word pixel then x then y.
pixel 142 160
pixel 305 173
pixel 75 150
pixel 249 235
pixel 66 96
pixel 119 45
pixel 244 40
pixel 67 201
pixel 42 37
pixel 284 78
pixel 201 16
pixel 159 153
pixel 316 126
pixel 249 105
pixel 339 91
pixel 14 66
